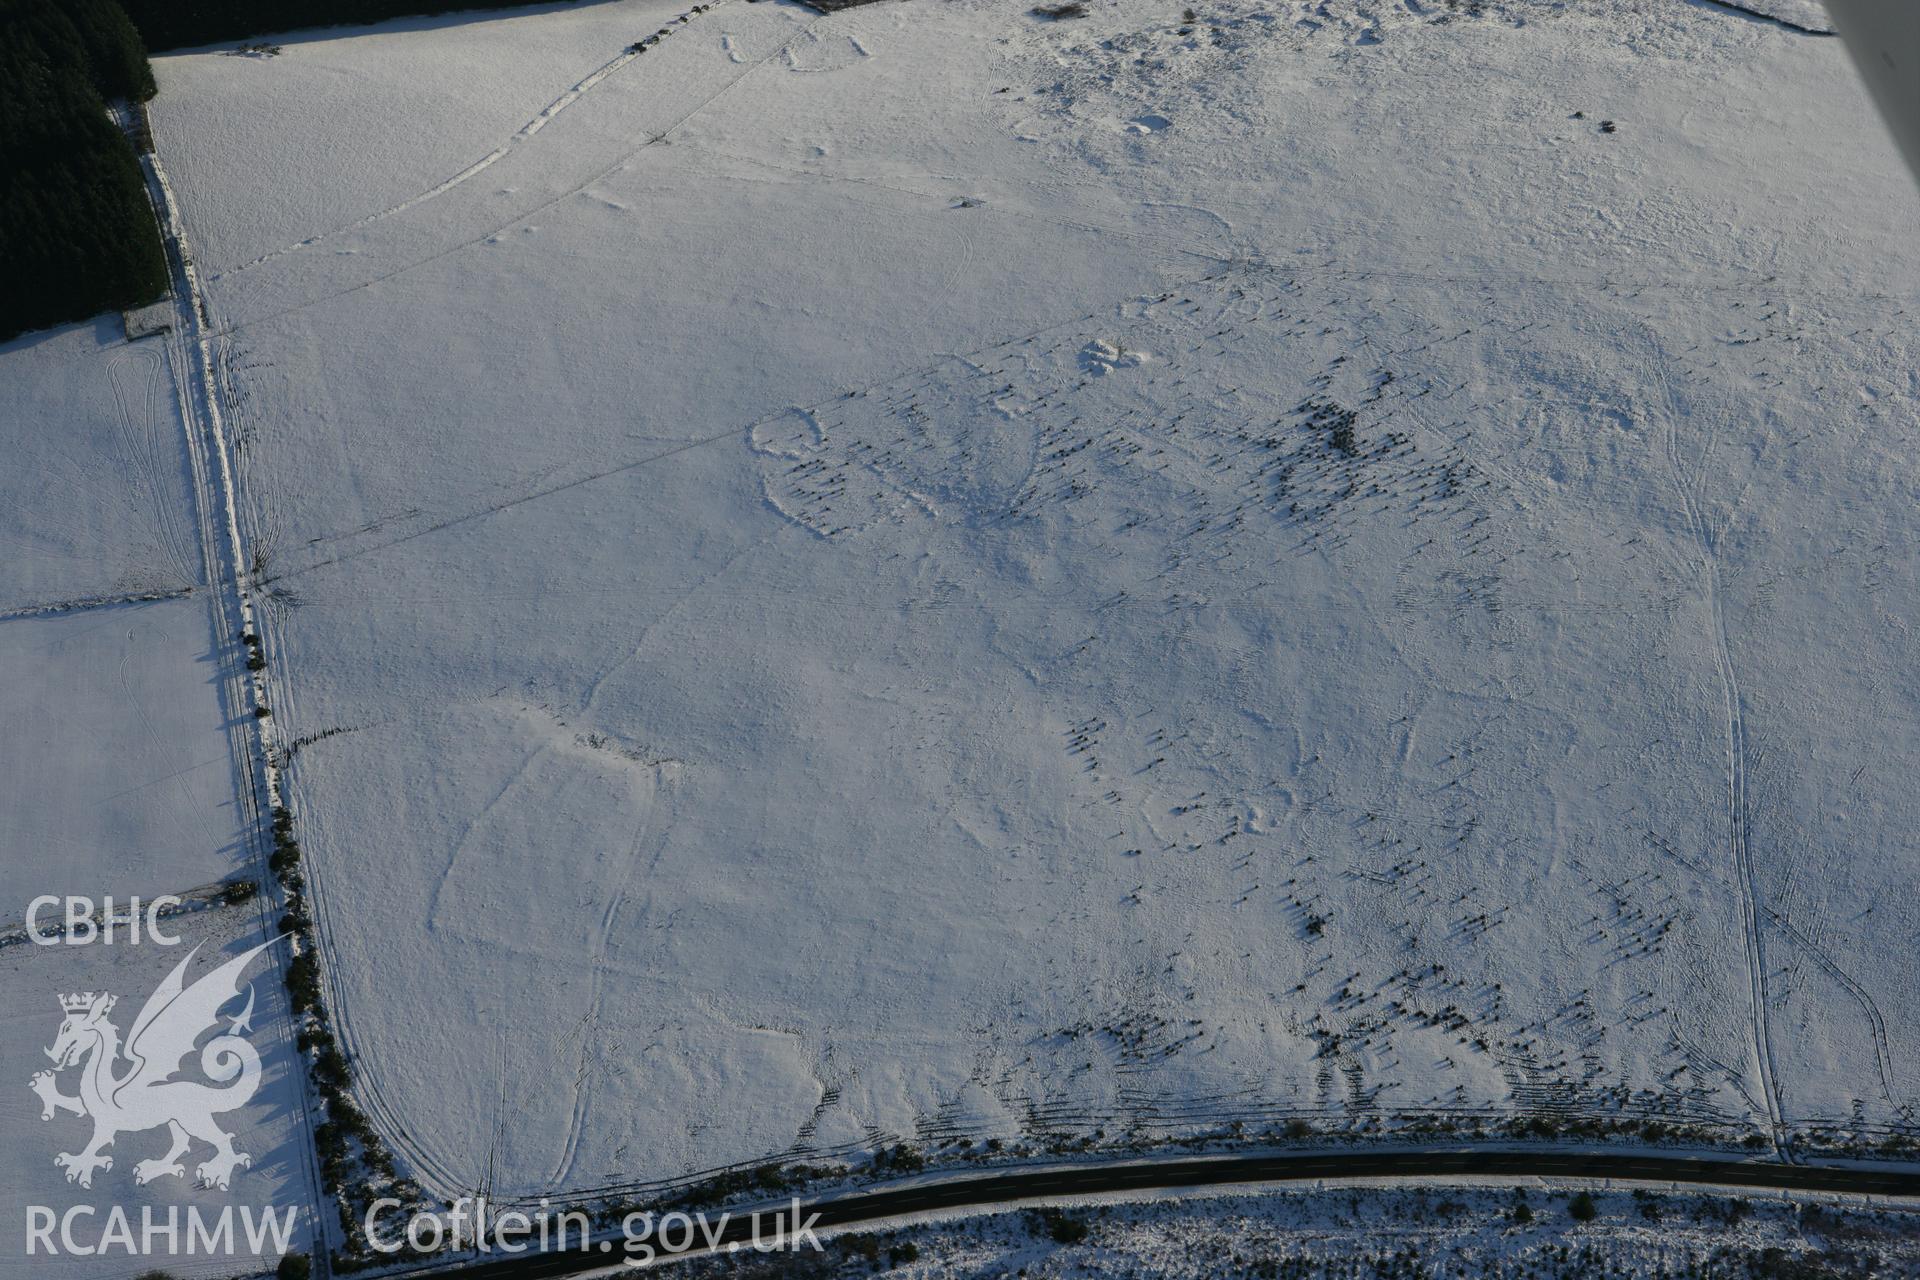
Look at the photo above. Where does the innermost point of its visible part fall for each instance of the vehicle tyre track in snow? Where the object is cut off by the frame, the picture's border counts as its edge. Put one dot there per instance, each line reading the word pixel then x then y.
pixel 430 1170
pixel 242 692
pixel 140 442
pixel 654 139
pixel 425 1166
pixel 648 831
pixel 987 209
pixel 526 131
pixel 1692 501
pixel 366 1055
pixel 1876 1024
pixel 730 433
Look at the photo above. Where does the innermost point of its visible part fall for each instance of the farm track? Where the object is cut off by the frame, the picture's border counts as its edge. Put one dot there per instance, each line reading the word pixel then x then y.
pixel 1876 1025
pixel 242 693
pixel 1738 808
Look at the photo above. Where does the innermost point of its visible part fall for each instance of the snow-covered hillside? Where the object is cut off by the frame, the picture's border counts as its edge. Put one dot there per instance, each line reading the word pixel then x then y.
pixel 931 572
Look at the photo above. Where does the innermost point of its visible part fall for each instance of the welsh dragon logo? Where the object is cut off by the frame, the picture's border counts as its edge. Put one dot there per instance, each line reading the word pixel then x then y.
pixel 145 1094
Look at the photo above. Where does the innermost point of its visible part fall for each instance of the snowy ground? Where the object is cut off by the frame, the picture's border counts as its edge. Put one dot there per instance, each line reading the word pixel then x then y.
pixel 118 777
pixel 119 780
pixel 97 497
pixel 269 1128
pixel 930 572
pixel 1365 1234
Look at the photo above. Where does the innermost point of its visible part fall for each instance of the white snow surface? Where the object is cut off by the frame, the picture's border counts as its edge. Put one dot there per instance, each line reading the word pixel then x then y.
pixel 269 1128
pixel 824 592
pixel 98 502
pixel 117 776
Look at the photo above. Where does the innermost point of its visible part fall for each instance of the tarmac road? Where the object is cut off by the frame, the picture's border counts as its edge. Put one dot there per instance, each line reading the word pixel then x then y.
pixel 986 1192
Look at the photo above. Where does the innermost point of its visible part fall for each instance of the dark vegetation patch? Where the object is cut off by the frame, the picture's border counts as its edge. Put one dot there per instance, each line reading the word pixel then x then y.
pixel 180 24
pixel 834 6
pixel 76 230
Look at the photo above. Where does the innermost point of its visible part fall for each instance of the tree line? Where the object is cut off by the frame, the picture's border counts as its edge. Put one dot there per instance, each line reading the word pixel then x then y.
pixel 179 24
pixel 77 234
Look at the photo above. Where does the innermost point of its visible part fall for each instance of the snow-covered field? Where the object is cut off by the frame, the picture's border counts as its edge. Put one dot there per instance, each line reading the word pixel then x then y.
pixel 118 777
pixel 98 503
pixel 931 572
pixel 119 780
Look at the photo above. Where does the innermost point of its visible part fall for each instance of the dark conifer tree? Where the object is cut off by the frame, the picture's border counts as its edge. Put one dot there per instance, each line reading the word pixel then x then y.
pixel 76 230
